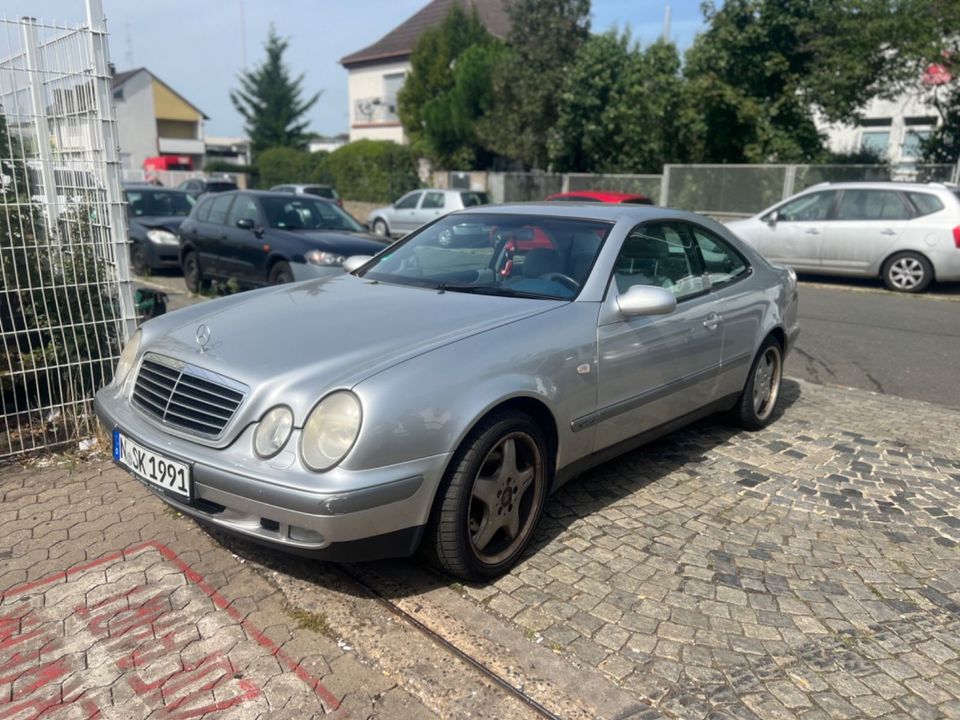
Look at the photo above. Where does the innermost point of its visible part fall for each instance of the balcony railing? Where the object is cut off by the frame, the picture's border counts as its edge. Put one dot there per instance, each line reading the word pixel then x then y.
pixel 375 110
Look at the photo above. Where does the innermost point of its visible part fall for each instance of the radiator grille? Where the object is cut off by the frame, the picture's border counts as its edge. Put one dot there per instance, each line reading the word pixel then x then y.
pixel 186 397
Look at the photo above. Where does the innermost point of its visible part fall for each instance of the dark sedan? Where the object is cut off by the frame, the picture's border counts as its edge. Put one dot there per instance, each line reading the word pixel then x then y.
pixel 153 219
pixel 266 238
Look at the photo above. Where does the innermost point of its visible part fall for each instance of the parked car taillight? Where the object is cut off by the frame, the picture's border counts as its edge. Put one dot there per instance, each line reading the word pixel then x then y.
pixel 956 237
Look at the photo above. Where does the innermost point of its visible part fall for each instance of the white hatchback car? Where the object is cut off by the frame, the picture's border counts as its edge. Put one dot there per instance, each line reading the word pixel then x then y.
pixel 419 207
pixel 906 233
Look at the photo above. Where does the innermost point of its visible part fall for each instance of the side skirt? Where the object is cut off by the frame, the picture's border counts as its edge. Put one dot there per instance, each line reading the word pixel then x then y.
pixel 578 467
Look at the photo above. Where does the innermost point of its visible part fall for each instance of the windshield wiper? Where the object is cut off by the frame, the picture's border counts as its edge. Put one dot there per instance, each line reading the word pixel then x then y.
pixel 488 290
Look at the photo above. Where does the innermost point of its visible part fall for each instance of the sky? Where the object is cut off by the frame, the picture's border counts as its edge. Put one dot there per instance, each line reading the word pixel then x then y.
pixel 197 47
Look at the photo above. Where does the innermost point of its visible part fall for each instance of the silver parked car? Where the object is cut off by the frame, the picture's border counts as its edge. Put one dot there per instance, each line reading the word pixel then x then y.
pixel 324 191
pixel 420 207
pixel 438 392
pixel 908 234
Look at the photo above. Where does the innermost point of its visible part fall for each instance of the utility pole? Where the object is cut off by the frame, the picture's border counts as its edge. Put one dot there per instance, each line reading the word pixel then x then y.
pixel 666 23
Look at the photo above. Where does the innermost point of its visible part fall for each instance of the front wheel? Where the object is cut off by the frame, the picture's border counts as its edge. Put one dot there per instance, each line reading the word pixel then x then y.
pixel 280 273
pixel 491 498
pixel 192 273
pixel 138 260
pixel 380 228
pixel 754 410
pixel 907 272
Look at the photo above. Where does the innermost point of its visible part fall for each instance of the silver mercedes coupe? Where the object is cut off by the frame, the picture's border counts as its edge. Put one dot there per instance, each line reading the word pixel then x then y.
pixel 434 395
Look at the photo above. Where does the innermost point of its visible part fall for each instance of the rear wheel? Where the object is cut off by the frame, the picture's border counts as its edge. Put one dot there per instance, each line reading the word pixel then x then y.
pixel 907 272
pixel 380 228
pixel 754 410
pixel 280 273
pixel 491 498
pixel 192 273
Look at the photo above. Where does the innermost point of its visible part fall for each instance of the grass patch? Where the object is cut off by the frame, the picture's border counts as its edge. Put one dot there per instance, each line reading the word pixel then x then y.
pixel 307 620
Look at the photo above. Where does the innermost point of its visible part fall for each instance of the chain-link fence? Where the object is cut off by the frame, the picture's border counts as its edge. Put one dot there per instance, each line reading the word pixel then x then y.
pixel 65 302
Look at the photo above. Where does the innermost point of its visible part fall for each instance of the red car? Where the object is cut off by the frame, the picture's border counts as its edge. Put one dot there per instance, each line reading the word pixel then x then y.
pixel 602 196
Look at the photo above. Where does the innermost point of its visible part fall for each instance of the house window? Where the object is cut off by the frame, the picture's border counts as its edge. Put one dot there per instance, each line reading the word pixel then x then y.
pixel 912 142
pixel 391 88
pixel 877 142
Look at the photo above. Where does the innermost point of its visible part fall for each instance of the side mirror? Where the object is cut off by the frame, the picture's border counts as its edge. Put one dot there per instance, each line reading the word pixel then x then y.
pixel 646 300
pixel 355 261
pixel 773 217
pixel 245 223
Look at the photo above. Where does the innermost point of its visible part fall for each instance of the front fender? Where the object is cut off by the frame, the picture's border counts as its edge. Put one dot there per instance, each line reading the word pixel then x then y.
pixel 426 405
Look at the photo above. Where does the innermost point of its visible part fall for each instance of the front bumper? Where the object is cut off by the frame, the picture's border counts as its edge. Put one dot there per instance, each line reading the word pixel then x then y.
pixel 346 516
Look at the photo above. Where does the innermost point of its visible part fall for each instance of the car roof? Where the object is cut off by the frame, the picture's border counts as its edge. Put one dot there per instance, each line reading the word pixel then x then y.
pixel 277 194
pixel 878 185
pixel 608 212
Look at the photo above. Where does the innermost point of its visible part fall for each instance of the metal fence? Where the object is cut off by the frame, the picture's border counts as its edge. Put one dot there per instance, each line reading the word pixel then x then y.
pixel 65 300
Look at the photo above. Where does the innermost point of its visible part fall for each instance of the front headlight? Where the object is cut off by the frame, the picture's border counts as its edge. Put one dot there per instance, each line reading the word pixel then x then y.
pixel 319 257
pixel 330 430
pixel 127 358
pixel 272 432
pixel 162 237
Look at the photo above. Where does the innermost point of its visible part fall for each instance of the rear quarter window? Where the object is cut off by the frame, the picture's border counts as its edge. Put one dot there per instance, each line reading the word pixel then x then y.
pixel 925 203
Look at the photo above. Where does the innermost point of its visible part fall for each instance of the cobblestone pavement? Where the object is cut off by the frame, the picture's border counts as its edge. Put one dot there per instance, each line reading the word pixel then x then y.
pixel 111 606
pixel 809 570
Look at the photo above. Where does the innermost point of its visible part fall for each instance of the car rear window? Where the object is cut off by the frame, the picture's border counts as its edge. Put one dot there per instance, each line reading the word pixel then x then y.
pixel 925 203
pixel 216 187
pixel 472 199
pixel 321 191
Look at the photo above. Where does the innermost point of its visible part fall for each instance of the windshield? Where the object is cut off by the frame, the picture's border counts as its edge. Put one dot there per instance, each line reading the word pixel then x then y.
pixel 512 255
pixel 302 212
pixel 158 203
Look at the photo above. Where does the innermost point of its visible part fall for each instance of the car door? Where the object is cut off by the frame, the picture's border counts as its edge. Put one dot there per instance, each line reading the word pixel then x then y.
pixel 866 225
pixel 212 246
pixel 431 207
pixel 246 258
pixel 403 218
pixel 793 232
pixel 739 306
pixel 652 369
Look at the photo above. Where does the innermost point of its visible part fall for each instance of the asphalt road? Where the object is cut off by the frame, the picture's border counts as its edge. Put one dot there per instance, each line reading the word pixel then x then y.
pixel 853 332
pixel 872 339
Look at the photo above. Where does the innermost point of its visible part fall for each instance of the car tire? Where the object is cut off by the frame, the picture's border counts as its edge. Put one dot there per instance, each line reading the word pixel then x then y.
pixel 193 273
pixel 138 259
pixel 488 482
pixel 280 273
pixel 907 272
pixel 380 228
pixel 758 401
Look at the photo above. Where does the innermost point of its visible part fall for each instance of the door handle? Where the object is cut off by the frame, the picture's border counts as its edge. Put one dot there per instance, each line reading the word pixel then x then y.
pixel 712 321
pixel 813 231
pixel 888 231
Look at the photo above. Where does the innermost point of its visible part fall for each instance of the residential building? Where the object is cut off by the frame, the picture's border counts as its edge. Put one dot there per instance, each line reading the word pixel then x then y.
pixel 154 120
pixel 376 73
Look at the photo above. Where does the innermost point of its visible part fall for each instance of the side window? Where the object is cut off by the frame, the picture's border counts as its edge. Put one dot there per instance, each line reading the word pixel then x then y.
pixel 218 211
pixel 408 201
pixel 135 204
pixel 203 210
pixel 872 205
pixel 433 200
pixel 659 254
pixel 722 263
pixel 925 203
pixel 244 208
pixel 812 207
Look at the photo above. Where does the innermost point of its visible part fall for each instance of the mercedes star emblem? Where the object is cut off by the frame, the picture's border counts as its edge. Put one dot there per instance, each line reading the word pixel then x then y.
pixel 203 337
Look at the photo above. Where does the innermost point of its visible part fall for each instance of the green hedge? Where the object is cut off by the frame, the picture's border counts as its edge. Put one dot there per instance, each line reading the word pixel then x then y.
pixel 366 170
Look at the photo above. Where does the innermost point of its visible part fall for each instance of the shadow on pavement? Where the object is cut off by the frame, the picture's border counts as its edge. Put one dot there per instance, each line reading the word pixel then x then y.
pixel 936 289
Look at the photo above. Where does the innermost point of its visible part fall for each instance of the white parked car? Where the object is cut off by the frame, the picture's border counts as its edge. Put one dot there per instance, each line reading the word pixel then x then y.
pixel 908 234
pixel 420 207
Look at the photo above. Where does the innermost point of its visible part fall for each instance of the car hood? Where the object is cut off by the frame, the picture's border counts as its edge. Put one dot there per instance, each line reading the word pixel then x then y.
pixel 339 241
pixel 171 223
pixel 292 343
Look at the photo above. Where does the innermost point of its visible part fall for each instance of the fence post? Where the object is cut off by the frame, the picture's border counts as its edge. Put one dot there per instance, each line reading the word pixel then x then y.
pixel 99 56
pixel 35 80
pixel 565 183
pixel 789 181
pixel 665 187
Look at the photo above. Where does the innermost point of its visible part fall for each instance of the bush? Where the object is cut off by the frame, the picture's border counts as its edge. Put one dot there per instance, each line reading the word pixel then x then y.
pixel 372 170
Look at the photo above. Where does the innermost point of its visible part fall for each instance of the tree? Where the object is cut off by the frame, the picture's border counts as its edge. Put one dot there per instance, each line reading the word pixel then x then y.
pixel 270 101
pixel 448 89
pixel 544 38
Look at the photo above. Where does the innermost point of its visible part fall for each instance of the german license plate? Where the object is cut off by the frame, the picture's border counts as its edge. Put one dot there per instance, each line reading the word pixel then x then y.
pixel 151 466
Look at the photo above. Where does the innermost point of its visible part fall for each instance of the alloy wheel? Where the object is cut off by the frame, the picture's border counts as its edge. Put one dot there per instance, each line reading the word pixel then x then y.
pixel 766 382
pixel 906 273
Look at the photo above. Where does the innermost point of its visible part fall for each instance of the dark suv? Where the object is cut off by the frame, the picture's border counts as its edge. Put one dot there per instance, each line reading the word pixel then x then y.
pixel 261 238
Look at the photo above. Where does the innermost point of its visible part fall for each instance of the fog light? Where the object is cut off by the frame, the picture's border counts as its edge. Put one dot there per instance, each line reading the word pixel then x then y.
pixel 306 536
